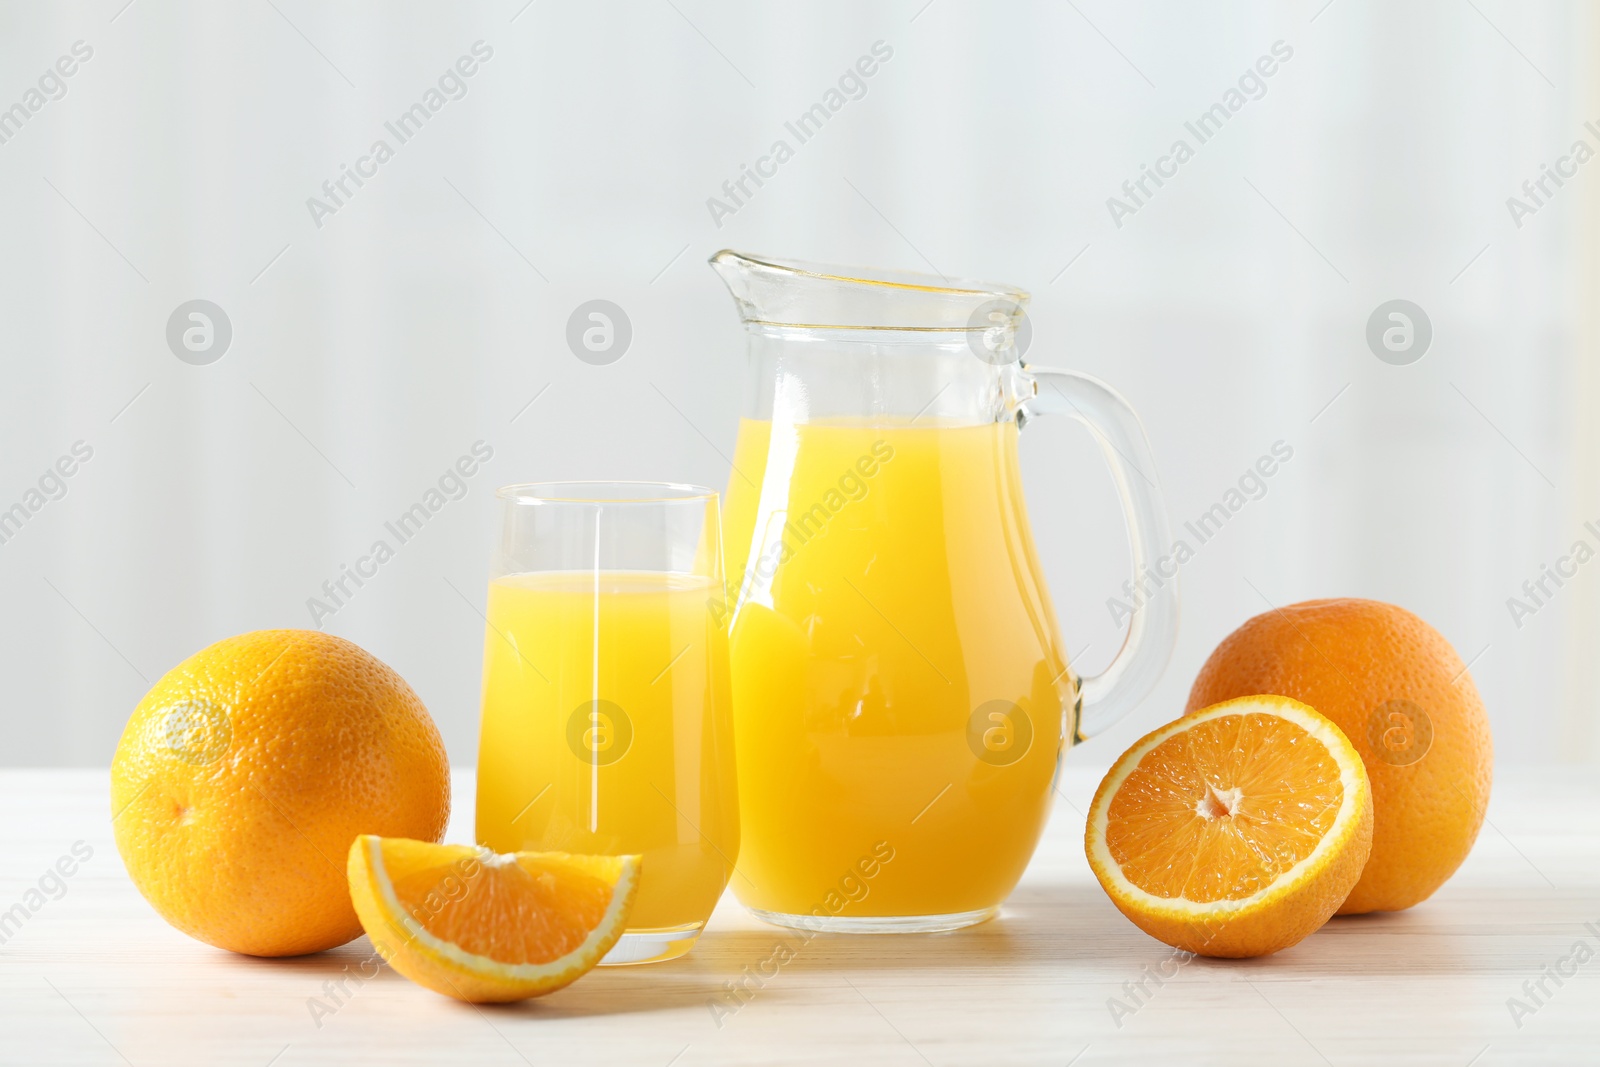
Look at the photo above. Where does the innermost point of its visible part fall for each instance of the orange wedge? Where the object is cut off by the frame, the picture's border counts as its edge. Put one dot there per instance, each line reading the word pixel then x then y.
pixel 484 927
pixel 1236 830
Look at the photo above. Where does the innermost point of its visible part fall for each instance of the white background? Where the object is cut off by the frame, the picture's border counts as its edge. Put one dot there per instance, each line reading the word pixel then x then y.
pixel 371 352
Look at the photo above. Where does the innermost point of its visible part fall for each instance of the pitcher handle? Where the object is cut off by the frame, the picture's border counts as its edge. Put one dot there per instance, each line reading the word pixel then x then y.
pixel 1153 621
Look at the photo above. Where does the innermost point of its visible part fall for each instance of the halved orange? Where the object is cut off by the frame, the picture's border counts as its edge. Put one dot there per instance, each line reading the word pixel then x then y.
pixel 483 926
pixel 1236 830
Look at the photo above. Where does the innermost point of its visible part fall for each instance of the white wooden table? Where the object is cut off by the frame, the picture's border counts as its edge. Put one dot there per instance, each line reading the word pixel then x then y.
pixel 95 977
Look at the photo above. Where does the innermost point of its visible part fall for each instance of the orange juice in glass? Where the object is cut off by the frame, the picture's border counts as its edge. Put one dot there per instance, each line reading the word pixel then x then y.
pixel 606 713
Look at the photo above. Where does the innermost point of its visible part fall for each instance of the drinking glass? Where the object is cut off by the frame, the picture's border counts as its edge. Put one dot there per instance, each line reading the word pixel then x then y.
pixel 606 722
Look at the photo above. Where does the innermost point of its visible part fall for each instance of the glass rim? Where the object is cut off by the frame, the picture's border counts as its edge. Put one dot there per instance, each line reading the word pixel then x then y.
pixel 605 492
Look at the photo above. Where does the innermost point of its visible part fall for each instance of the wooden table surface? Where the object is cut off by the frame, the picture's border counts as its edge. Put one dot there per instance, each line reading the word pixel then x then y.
pixel 93 976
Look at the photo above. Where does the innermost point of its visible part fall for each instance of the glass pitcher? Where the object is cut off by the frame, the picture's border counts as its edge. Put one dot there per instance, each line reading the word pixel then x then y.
pixel 901 694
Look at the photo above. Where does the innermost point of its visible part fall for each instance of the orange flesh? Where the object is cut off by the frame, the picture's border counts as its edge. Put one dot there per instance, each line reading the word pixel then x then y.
pixel 531 911
pixel 1223 809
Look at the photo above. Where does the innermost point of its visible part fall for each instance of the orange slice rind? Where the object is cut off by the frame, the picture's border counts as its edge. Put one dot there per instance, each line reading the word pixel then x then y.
pixel 1236 830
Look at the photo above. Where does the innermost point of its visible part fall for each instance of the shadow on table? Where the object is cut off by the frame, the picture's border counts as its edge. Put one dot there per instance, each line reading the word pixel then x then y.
pixel 1069 928
pixel 730 967
pixel 1456 933
pixel 332 977
pixel 1073 925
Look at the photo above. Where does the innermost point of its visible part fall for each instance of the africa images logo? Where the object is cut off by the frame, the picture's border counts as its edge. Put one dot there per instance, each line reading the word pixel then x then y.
pixel 1252 85
pixel 451 85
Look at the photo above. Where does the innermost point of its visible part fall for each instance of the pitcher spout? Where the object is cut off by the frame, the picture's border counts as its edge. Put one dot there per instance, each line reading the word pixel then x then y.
pixel 770 291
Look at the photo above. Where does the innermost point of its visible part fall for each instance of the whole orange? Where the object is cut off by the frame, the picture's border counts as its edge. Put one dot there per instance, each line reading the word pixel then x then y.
pixel 246 772
pixel 1398 690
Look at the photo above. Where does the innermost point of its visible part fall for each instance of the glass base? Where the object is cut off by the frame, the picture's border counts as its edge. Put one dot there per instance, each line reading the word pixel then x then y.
pixel 878 924
pixel 652 946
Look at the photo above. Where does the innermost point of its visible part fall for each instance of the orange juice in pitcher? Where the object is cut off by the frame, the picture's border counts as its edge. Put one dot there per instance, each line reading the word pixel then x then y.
pixel 901 692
